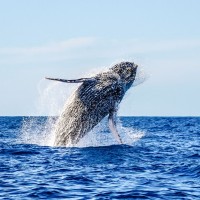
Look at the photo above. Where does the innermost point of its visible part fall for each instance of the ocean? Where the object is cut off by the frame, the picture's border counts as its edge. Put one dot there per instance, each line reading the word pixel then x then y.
pixel 160 159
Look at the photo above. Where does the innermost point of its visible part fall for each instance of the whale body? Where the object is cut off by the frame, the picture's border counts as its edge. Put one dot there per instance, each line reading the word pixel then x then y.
pixel 96 98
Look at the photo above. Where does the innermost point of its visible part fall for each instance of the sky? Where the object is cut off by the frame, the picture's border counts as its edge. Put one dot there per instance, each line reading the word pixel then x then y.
pixel 71 39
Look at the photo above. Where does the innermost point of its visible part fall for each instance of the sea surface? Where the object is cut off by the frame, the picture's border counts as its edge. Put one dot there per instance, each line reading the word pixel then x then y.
pixel 159 160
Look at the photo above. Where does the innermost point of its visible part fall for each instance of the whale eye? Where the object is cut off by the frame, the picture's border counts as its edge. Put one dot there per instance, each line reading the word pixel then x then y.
pixel 129 70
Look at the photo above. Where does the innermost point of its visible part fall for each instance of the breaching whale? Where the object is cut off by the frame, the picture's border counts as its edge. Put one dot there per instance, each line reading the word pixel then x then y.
pixel 96 98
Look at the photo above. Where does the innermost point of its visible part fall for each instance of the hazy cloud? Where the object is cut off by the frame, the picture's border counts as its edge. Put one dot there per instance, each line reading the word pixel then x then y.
pixel 87 47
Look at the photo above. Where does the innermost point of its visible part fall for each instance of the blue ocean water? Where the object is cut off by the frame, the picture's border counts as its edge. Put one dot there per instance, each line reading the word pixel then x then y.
pixel 163 163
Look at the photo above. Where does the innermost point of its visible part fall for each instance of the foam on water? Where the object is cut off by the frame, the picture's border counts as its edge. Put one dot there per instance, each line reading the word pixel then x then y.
pixel 41 133
pixel 53 96
pixel 101 135
pixel 35 132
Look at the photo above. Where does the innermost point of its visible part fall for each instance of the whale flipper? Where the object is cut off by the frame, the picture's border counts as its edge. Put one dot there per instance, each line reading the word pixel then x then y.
pixel 112 126
pixel 80 80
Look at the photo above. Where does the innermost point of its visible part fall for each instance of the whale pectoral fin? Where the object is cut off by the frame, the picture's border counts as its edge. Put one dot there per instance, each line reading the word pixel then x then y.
pixel 113 128
pixel 80 80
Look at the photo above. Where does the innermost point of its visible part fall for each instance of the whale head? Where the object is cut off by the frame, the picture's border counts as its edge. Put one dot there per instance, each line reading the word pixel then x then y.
pixel 126 71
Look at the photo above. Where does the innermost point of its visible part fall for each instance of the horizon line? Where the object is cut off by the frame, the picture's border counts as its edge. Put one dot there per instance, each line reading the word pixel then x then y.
pixel 117 116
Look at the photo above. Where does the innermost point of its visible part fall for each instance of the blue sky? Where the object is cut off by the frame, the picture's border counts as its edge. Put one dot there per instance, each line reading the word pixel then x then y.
pixel 68 39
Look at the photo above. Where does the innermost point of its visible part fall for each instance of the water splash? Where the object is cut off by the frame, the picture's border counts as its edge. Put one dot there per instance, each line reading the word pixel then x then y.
pixel 101 135
pixel 141 76
pixel 52 97
pixel 37 130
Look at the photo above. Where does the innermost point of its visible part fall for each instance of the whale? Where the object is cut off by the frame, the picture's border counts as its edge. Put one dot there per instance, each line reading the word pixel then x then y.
pixel 95 98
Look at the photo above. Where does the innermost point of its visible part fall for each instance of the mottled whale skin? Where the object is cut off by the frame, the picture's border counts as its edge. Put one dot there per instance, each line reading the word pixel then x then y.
pixel 94 99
